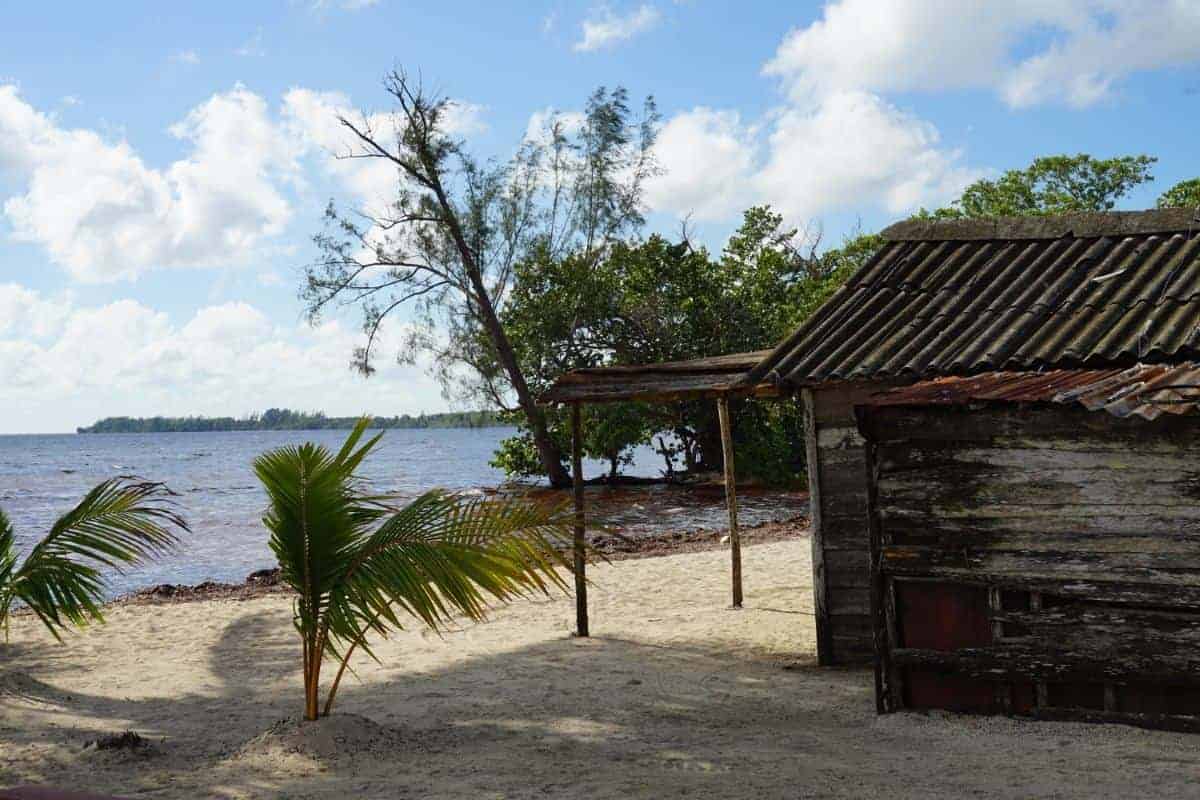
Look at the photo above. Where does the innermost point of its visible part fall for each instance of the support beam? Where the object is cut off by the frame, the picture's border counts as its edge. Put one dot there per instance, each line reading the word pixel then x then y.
pixel 820 590
pixel 735 541
pixel 581 607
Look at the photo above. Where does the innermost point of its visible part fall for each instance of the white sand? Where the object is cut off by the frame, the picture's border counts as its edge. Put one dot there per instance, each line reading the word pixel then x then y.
pixel 674 696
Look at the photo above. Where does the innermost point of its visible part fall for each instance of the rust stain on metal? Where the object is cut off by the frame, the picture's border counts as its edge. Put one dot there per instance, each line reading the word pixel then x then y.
pixel 1144 390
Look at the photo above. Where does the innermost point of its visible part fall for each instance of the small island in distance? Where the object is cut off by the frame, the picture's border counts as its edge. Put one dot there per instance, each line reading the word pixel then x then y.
pixel 284 419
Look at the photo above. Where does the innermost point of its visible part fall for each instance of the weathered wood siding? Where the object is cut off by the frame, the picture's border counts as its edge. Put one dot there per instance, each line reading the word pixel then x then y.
pixel 1075 535
pixel 841 579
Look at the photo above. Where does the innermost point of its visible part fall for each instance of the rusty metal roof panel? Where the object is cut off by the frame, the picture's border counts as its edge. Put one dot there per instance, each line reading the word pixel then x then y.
pixel 967 296
pixel 1143 390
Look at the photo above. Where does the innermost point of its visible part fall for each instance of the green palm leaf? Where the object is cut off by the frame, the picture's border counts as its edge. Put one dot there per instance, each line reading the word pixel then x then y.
pixel 358 564
pixel 118 524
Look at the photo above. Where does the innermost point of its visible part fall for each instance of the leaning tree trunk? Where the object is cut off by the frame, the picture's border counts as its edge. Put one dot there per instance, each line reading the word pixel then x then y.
pixel 535 417
pixel 548 452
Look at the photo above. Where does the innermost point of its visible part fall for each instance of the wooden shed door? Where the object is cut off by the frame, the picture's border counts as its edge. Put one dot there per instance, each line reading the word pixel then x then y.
pixel 944 616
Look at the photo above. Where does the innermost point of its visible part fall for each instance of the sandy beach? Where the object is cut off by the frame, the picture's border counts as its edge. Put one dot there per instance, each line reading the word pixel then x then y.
pixel 675 695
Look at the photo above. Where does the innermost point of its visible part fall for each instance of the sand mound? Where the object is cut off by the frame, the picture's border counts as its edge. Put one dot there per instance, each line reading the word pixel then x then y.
pixel 333 738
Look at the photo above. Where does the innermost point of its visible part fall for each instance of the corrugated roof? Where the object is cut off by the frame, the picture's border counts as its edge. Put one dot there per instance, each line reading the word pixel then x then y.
pixel 962 297
pixel 665 381
pixel 1144 390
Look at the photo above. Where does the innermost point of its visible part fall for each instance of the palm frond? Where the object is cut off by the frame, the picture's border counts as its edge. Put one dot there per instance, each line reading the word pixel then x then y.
pixel 8 563
pixel 445 554
pixel 357 563
pixel 120 523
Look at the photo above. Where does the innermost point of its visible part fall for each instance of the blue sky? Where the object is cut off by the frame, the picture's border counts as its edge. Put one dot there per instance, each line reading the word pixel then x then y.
pixel 161 172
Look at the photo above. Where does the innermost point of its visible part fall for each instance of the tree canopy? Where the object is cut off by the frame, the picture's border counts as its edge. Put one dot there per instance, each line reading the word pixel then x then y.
pixel 1054 185
pixel 660 300
pixel 1185 194
pixel 284 419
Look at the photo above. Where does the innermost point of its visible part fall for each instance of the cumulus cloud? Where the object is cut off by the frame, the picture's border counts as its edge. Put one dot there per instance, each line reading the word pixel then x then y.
pixel 605 28
pixel 708 159
pixel 127 358
pixel 855 150
pixel 104 214
pixel 850 151
pixel 310 118
pixel 1081 49
pixel 26 312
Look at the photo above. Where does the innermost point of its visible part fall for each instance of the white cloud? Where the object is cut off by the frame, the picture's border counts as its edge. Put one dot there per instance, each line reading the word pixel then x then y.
pixel 1081 49
pixel 24 311
pixel 465 119
pixel 606 28
pixel 851 151
pixel 311 117
pixel 541 122
pixel 103 214
pixel 855 150
pixel 128 358
pixel 708 159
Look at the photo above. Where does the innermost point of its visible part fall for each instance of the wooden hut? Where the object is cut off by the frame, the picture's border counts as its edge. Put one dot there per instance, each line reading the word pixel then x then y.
pixel 1035 544
pixel 963 297
pixel 958 298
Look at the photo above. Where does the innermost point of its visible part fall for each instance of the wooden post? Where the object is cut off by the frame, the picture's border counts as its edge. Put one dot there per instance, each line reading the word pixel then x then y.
pixel 581 608
pixel 879 637
pixel 820 590
pixel 735 541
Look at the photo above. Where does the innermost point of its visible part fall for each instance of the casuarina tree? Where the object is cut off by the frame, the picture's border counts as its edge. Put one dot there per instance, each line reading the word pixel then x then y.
pixel 446 244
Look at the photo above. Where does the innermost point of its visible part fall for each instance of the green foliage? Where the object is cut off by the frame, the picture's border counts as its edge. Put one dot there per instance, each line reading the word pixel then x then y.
pixel 357 563
pixel 1054 185
pixel 657 300
pixel 518 456
pixel 610 432
pixel 1185 194
pixel 119 523
pixel 769 441
pixel 283 419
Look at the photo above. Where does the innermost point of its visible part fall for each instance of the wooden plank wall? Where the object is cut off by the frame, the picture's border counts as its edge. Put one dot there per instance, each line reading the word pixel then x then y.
pixel 1084 531
pixel 837 480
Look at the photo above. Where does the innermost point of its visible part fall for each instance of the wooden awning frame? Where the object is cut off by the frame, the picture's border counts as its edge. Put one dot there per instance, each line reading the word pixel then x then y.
pixel 665 382
pixel 718 378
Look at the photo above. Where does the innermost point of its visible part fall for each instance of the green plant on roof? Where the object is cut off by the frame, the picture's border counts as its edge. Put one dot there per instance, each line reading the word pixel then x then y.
pixel 120 523
pixel 357 563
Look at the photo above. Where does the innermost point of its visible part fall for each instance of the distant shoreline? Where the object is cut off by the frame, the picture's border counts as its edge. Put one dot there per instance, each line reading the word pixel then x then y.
pixel 286 420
